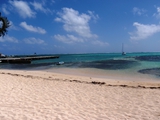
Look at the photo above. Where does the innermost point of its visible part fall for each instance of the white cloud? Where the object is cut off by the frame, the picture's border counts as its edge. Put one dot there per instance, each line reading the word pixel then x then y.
pixel 8 39
pixel 73 38
pixel 92 14
pixel 144 31
pixel 22 8
pixel 4 9
pixel 157 15
pixel 139 11
pixel 75 22
pixel 32 28
pixel 67 38
pixel 39 6
pixel 12 26
pixel 100 43
pixel 33 40
pixel 52 1
pixel 48 1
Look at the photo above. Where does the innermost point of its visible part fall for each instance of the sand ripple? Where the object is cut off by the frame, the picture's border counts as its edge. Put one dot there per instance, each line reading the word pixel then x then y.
pixel 45 96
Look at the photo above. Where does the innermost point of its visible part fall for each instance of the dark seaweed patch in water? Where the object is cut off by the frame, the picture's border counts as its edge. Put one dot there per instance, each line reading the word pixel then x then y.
pixel 106 64
pixel 26 66
pixel 155 58
pixel 152 71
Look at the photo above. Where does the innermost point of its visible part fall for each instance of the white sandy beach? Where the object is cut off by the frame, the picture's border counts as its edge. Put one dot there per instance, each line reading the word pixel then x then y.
pixel 37 95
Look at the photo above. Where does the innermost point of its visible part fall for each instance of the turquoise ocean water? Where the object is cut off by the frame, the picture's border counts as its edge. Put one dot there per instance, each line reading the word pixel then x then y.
pixel 131 65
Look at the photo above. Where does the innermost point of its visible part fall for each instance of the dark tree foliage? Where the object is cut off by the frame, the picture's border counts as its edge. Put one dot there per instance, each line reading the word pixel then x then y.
pixel 5 24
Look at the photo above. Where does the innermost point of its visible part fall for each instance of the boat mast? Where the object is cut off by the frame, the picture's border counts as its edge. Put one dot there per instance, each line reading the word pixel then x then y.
pixel 122 47
pixel 123 53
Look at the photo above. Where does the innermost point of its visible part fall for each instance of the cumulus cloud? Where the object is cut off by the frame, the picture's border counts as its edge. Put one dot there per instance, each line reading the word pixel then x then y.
pixel 39 7
pixel 92 14
pixel 67 38
pixel 8 39
pixel 33 40
pixel 4 9
pixel 32 28
pixel 157 15
pixel 12 26
pixel 76 22
pixel 138 11
pixel 52 1
pixel 22 8
pixel 100 43
pixel 144 31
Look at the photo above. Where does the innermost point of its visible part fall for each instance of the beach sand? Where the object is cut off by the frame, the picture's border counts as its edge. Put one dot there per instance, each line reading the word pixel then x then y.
pixel 40 95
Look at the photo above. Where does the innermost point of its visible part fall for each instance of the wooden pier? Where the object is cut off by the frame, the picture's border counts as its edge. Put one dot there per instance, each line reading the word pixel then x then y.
pixel 24 60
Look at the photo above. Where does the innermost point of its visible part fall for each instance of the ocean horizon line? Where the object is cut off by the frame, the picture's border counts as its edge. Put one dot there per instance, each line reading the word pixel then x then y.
pixel 78 53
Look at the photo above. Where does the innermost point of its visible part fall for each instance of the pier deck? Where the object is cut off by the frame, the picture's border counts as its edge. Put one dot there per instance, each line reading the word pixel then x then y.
pixel 25 59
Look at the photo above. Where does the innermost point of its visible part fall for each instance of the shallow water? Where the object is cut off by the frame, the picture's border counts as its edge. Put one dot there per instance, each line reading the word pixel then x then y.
pixel 133 66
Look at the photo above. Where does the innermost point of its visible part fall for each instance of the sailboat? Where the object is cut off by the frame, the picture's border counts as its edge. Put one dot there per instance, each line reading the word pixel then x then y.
pixel 123 53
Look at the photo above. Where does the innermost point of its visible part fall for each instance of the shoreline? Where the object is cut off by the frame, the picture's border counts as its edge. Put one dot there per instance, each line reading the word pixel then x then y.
pixel 48 95
pixel 81 78
pixel 106 74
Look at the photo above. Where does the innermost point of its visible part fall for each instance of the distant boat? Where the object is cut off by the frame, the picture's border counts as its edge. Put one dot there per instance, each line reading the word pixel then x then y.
pixel 123 53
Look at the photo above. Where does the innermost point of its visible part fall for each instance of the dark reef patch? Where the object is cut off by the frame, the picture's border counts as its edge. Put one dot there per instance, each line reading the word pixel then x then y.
pixel 26 66
pixel 152 71
pixel 105 64
pixel 155 58
pixel 101 64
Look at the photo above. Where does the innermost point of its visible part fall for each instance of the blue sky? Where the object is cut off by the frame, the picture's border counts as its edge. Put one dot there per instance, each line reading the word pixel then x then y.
pixel 80 26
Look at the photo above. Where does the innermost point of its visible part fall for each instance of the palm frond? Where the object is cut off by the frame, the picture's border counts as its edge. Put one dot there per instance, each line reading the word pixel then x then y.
pixel 5 25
